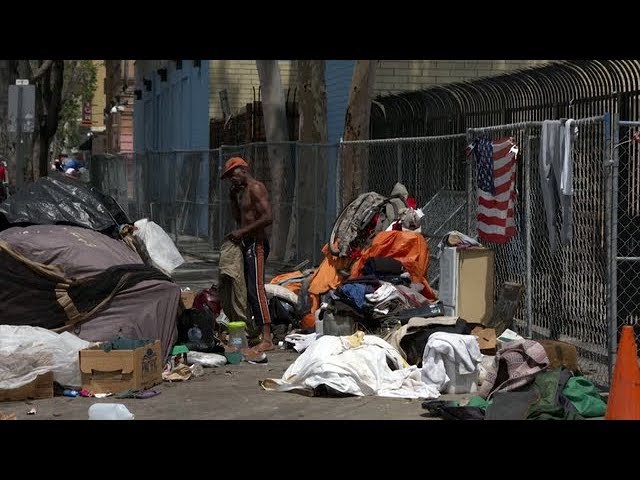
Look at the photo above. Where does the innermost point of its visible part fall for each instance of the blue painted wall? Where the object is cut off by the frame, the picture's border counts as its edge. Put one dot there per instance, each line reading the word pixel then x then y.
pixel 338 74
pixel 174 115
pixel 170 118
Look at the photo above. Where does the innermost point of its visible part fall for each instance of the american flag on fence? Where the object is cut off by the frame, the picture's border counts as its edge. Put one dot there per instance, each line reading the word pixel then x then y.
pixel 496 180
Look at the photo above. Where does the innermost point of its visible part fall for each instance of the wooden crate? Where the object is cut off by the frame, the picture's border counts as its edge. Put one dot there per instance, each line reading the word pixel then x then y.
pixel 41 387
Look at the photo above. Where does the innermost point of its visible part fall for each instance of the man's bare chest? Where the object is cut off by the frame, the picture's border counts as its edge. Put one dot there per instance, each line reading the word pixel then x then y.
pixel 244 200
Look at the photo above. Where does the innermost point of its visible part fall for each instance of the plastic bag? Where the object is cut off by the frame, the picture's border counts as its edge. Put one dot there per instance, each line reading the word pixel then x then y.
pixel 161 250
pixel 206 359
pixel 26 352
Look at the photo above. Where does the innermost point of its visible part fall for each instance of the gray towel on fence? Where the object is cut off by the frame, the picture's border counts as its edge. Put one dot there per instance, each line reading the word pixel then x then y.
pixel 556 169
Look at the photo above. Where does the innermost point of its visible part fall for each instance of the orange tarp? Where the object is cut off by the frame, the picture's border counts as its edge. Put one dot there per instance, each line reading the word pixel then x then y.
pixel 295 287
pixel 409 248
pixel 326 278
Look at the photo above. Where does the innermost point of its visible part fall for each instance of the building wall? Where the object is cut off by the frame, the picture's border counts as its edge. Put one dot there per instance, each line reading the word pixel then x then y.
pixel 173 115
pixel 239 78
pixel 395 76
pixel 119 87
pixel 338 74
pixel 98 101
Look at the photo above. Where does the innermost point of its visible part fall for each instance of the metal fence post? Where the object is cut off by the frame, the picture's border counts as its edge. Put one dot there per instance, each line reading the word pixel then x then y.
pixel 527 229
pixel 314 242
pixel 399 162
pixel 470 209
pixel 611 213
pixel 339 178
pixel 174 202
pixel 220 212
pixel 296 197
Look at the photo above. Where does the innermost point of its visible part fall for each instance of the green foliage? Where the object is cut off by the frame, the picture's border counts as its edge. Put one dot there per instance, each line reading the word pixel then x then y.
pixel 80 81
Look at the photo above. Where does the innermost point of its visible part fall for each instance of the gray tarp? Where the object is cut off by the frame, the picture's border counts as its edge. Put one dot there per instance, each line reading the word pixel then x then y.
pixel 147 310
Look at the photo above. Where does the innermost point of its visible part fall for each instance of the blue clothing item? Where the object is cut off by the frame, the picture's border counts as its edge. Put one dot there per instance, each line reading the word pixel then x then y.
pixel 354 293
pixel 72 163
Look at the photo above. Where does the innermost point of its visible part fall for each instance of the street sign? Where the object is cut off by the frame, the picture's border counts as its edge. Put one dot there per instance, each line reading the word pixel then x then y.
pixel 22 81
pixel 22 107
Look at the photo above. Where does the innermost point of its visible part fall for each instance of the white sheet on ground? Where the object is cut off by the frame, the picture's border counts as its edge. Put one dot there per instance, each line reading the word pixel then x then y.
pixel 356 365
pixel 26 352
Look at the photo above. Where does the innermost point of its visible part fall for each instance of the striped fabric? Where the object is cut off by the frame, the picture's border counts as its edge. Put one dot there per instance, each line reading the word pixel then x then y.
pixel 496 178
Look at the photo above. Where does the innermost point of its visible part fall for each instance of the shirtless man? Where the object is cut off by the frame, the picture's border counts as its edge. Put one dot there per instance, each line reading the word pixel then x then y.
pixel 251 210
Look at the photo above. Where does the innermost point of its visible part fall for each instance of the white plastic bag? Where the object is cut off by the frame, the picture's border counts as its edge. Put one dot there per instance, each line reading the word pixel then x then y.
pixel 206 359
pixel 163 253
pixel 26 352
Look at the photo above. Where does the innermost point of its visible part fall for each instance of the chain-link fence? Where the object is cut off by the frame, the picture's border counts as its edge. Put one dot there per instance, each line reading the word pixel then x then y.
pixel 625 224
pixel 567 288
pixel 433 170
pixel 183 193
pixel 172 189
pixel 300 179
pixel 565 276
pixel 109 175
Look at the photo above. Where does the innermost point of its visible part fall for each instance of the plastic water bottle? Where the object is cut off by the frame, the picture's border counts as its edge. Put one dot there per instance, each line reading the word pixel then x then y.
pixel 109 411
pixel 237 335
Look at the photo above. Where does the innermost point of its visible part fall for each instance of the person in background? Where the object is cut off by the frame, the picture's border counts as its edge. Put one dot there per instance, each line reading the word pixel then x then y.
pixel 58 164
pixel 72 163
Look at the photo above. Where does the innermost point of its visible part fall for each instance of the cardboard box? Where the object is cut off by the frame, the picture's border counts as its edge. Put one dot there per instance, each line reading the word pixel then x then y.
pixel 486 339
pixel 40 387
pixel 120 370
pixel 467 283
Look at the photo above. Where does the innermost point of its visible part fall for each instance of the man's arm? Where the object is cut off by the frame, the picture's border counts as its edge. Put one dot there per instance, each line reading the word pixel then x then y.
pixel 260 199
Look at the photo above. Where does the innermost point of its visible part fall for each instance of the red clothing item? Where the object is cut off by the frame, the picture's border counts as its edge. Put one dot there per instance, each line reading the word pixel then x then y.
pixel 3 174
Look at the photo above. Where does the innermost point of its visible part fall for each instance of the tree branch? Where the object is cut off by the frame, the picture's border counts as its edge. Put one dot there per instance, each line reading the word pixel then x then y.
pixel 46 65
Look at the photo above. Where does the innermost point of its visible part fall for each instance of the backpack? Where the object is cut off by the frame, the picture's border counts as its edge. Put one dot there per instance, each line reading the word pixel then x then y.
pixel 357 223
pixel 283 312
pixel 196 331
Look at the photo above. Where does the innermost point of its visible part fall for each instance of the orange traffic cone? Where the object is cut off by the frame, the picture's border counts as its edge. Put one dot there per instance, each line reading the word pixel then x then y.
pixel 624 396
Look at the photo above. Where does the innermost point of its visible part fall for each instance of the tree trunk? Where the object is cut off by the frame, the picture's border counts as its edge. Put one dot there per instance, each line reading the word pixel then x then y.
pixel 275 125
pixel 8 75
pixel 311 189
pixel 51 87
pixel 355 157
pixel 47 75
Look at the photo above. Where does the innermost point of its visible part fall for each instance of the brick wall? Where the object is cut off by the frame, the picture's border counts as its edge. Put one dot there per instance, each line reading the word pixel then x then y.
pixel 239 77
pixel 119 125
pixel 98 102
pixel 395 76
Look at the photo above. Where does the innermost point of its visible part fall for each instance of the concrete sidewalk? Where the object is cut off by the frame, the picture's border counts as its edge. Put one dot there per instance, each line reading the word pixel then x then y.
pixel 231 392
